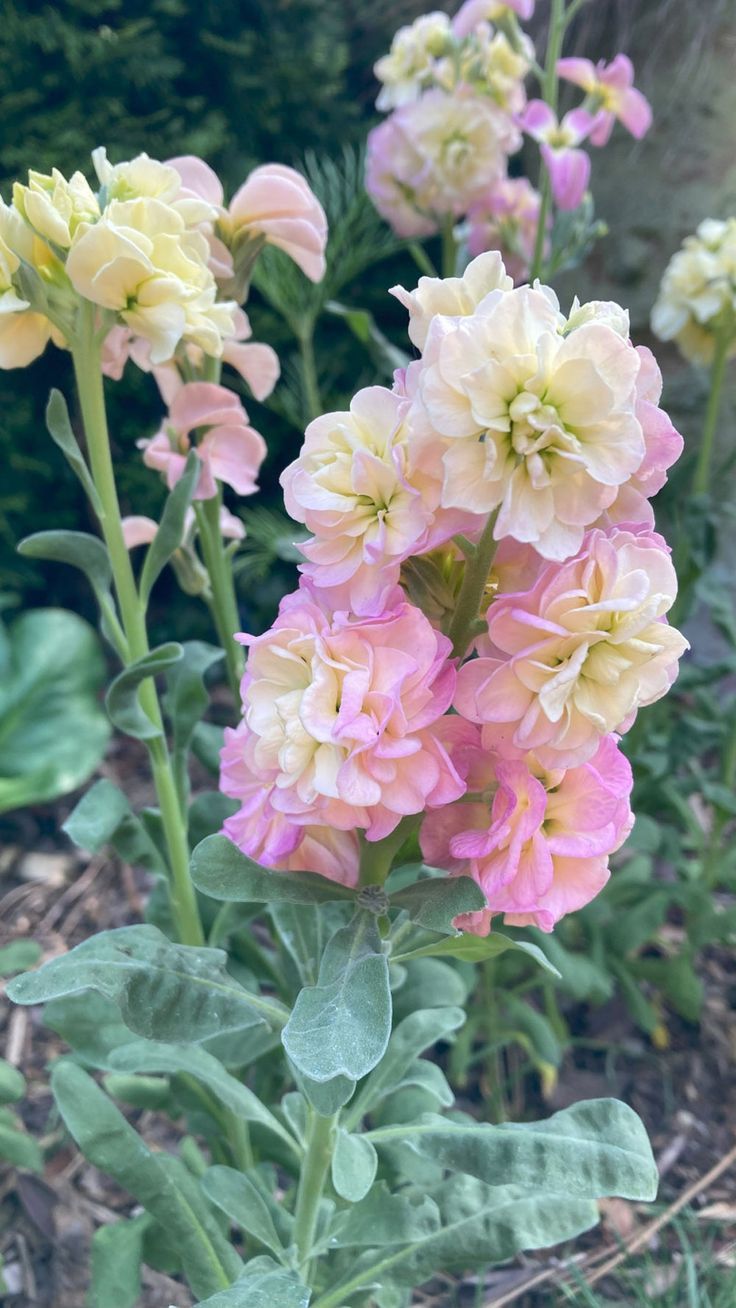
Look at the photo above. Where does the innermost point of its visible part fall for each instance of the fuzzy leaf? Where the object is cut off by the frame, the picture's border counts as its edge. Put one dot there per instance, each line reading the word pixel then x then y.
pixel 242 1201
pixel 117 1254
pixel 433 902
pixel 354 1164
pixel 171 527
pixel 221 871
pixel 122 701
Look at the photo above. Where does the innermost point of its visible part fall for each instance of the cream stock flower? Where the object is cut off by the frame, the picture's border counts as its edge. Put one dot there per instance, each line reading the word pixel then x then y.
pixel 24 333
pixel 539 424
pixel 455 297
pixel 142 262
pixel 411 60
pixel 574 657
pixel 55 207
pixel 697 297
pixel 146 178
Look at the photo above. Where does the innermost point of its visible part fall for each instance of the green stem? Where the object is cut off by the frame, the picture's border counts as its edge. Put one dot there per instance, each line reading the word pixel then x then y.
pixel 312 1180
pixel 88 373
pixel 496 1105
pixel 223 605
pixel 310 382
pixel 701 481
pixel 557 24
pixel 376 856
pixel 421 259
pixel 449 248
pixel 474 582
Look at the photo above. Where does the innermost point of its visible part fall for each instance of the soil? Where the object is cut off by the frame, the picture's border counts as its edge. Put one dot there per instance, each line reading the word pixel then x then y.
pixel 53 894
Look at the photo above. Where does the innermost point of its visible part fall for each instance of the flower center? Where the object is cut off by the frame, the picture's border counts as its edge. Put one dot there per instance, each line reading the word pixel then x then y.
pixel 534 424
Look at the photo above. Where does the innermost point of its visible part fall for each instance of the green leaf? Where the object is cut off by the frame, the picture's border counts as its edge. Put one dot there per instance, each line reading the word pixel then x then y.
pixel 187 697
pixel 594 1149
pixel 473 949
pixel 242 1201
pixel 122 698
pixel 341 1026
pixel 19 955
pixel 430 983
pixel 262 1285
pixel 220 870
pixel 207 812
pixel 53 731
pixel 433 902
pixel 171 527
pixel 60 430
pixel 79 550
pixel 544 1045
pixel 18 1148
pixel 103 817
pixel 90 1024
pixel 383 1218
pixel 387 356
pixel 141 1091
pixel 326 1097
pixel 479 1225
pixel 207 741
pixel 152 1056
pixel 354 1164
pixel 117 1254
pixel 410 1038
pixel 157 1181
pixel 163 991
pixel 12 1083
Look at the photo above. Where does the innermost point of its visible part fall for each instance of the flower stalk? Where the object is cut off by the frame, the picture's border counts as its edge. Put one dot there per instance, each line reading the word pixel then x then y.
pixel 701 480
pixel 223 601
pixel 316 1165
pixel 558 23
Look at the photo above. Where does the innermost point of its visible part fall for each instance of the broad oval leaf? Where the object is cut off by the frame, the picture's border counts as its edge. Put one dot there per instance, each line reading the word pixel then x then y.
pixel 354 1165
pixel 103 816
pixel 186 696
pixel 79 550
pixel 382 1218
pixel 122 701
pixel 433 902
pixel 410 1038
pixel 262 1284
pixel 53 731
pixel 222 872
pixel 341 1026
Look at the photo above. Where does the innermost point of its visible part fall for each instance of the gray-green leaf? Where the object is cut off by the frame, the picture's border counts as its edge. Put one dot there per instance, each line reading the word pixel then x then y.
pixel 433 902
pixel 221 871
pixel 354 1164
pixel 242 1201
pixel 171 527
pixel 60 431
pixel 122 701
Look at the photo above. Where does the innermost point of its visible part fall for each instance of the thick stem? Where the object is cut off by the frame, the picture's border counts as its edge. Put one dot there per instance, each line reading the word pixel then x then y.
pixel 557 24
pixel 449 248
pixel 376 856
pixel 474 582
pixel 224 605
pixel 310 382
pixel 701 480
pixel 312 1181
pixel 88 373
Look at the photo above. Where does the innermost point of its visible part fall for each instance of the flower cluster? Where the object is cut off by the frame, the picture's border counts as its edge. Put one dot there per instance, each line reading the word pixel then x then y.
pixel 365 705
pixel 697 299
pixel 456 92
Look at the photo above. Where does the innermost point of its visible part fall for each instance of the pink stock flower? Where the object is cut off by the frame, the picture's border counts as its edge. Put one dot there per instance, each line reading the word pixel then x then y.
pixel 538 417
pixel 473 12
pixel 341 714
pixel 611 95
pixel 274 201
pixel 369 503
pixel 663 447
pixel 434 156
pixel 575 656
pixel 506 219
pixel 139 530
pixel 231 450
pixel 537 841
pixel 568 167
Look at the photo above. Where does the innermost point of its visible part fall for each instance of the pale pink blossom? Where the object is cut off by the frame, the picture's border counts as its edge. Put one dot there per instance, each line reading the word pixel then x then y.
pixel 231 450
pixel 369 502
pixel 538 423
pixel 536 840
pixel 434 156
pixel 269 837
pixel 139 530
pixel 455 297
pixel 506 219
pixel 611 94
pixel 663 447
pixel 568 166
pixel 341 714
pixel 575 656
pixel 473 12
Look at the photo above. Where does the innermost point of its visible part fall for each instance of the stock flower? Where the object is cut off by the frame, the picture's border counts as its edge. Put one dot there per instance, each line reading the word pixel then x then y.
pixel 537 840
pixel 540 424
pixel 142 262
pixel 434 156
pixel 697 297
pixel 568 167
pixel 663 446
pixel 146 178
pixel 411 61
pixel 341 715
pixel 505 218
pixel 455 297
pixel 23 334
pixel 473 12
pixel 611 94
pixel 268 836
pixel 369 496
pixel 230 450
pixel 55 207
pixel 139 530
pixel 575 656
